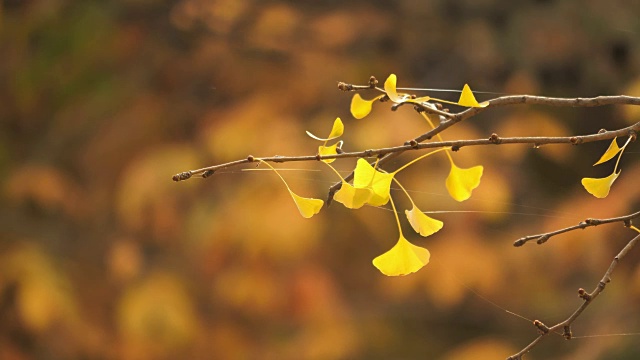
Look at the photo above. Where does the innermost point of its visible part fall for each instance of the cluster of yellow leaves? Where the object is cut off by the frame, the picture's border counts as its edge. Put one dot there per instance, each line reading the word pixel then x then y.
pixel 361 107
pixel 600 187
pixel 372 186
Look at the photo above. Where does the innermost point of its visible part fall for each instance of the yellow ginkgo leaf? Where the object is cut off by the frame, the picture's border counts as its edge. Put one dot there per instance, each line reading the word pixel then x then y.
pixel 328 150
pixel 612 151
pixel 600 187
pixel 390 89
pixel 351 197
pixel 361 107
pixel 421 223
pixel 365 176
pixel 403 259
pixel 307 206
pixel 461 182
pixel 336 131
pixel 467 98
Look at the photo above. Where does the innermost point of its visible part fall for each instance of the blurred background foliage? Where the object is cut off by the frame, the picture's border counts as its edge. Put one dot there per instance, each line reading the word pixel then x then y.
pixel 102 256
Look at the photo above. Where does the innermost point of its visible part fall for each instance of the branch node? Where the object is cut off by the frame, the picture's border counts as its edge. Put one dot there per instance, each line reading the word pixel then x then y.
pixel 519 242
pixel 584 295
pixel 627 223
pixel 602 131
pixel 494 139
pixel 182 176
pixel 368 153
pixel 318 156
pixel 413 143
pixel 455 148
pixel 593 222
pixel 567 332
pixel 277 159
pixel 633 135
pixel 373 82
pixel 207 173
pixel 542 239
pixel 395 107
pixel 250 158
pixel 541 327
pixel 344 86
pixel 575 140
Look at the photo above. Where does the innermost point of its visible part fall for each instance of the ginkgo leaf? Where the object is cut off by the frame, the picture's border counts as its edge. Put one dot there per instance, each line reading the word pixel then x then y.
pixel 421 223
pixel 612 151
pixel 307 206
pixel 390 89
pixel 352 197
pixel 365 176
pixel 328 150
pixel 336 131
pixel 360 107
pixel 404 258
pixel 461 182
pixel 467 98
pixel 600 187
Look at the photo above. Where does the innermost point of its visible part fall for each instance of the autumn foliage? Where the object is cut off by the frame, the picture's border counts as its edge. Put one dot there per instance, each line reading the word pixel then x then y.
pixel 102 256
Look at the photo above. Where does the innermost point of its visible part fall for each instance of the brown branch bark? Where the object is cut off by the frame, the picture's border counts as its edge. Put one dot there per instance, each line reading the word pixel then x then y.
pixel 542 238
pixel 494 139
pixel 587 297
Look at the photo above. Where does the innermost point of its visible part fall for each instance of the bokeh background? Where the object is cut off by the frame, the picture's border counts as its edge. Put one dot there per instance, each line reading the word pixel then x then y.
pixel 102 256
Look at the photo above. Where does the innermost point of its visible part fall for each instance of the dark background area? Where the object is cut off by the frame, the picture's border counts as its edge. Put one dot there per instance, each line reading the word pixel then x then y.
pixel 102 256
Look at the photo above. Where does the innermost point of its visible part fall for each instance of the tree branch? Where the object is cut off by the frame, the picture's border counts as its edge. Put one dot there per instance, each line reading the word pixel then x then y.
pixel 587 297
pixel 455 145
pixel 452 119
pixel 542 238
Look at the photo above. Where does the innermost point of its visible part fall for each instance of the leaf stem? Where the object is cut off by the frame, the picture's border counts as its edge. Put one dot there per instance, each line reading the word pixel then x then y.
pixel 395 212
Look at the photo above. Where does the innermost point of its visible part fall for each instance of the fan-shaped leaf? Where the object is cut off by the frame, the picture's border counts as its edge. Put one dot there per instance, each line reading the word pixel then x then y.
pixel 421 223
pixel 351 197
pixel 390 89
pixel 328 150
pixel 404 258
pixel 365 176
pixel 467 98
pixel 307 206
pixel 600 187
pixel 336 131
pixel 360 107
pixel 461 182
pixel 612 151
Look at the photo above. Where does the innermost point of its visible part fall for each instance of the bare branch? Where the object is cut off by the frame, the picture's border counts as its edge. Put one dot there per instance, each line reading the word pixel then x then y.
pixel 494 139
pixel 587 297
pixel 542 238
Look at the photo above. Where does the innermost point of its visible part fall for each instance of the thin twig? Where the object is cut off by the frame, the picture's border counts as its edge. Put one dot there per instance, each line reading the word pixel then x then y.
pixel 494 139
pixel 587 297
pixel 542 238
pixel 452 119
